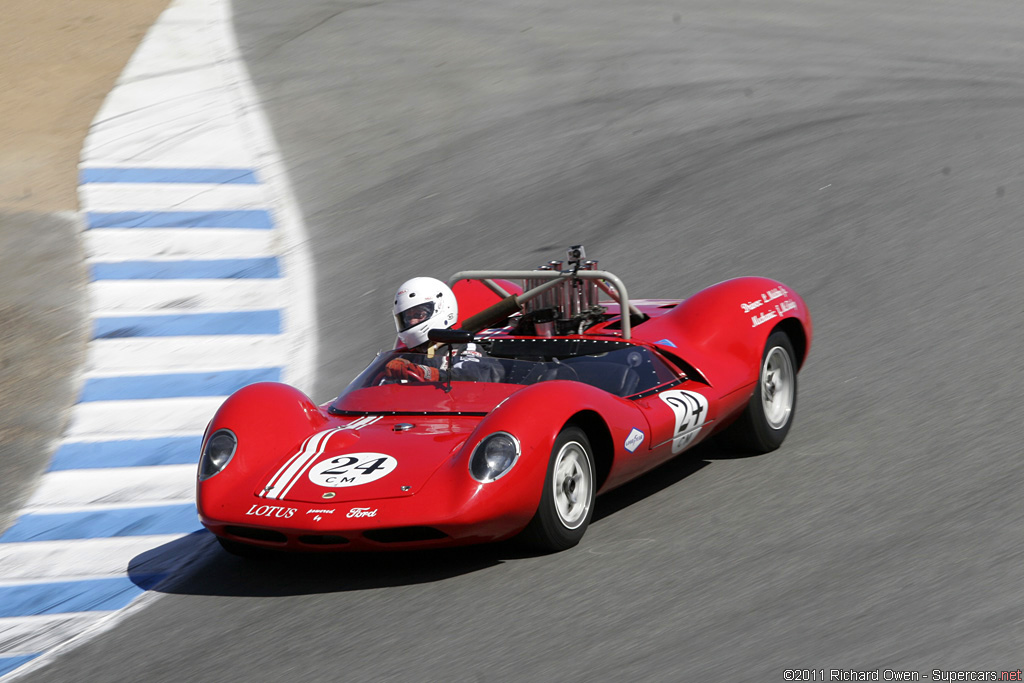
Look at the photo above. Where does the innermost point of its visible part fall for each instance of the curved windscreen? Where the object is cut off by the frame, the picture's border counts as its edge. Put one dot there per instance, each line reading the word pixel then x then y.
pixel 623 369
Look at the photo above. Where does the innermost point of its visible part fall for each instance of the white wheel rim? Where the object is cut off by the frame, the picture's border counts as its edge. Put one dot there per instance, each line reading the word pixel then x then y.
pixel 777 387
pixel 571 484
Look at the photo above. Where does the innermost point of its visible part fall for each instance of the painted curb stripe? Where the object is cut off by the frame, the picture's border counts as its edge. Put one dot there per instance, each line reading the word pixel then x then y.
pixel 144 521
pixel 180 219
pixel 8 664
pixel 93 558
pixel 39 632
pixel 173 450
pixel 189 214
pixel 239 322
pixel 129 244
pixel 218 176
pixel 222 383
pixel 73 596
pixel 264 268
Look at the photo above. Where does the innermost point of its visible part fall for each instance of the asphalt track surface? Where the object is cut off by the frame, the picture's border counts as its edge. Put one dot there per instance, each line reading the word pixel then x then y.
pixel 867 154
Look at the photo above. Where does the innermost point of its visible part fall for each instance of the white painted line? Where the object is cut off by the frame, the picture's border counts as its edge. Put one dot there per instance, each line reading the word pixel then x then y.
pixel 115 507
pixel 154 485
pixel 149 417
pixel 28 635
pixel 93 557
pixel 300 317
pixel 185 101
pixel 132 297
pixel 135 356
pixel 171 197
pixel 131 244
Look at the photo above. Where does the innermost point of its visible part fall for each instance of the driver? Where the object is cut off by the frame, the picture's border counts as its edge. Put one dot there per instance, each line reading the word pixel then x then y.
pixel 423 304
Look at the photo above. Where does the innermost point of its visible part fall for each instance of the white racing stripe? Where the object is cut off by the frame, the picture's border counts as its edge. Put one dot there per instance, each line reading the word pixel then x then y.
pixel 357 424
pixel 311 449
pixel 284 479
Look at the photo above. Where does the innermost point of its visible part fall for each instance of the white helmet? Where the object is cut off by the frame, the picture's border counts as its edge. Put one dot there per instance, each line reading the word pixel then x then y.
pixel 423 304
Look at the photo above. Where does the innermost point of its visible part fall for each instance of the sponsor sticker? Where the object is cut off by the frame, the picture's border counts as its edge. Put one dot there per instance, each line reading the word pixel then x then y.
pixel 352 469
pixel 691 410
pixel 362 512
pixel 271 511
pixel 633 441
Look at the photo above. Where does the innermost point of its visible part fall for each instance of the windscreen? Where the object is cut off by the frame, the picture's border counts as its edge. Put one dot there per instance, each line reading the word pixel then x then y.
pixel 623 369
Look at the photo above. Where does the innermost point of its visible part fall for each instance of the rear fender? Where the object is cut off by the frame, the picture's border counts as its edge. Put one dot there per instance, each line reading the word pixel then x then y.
pixel 474 296
pixel 722 330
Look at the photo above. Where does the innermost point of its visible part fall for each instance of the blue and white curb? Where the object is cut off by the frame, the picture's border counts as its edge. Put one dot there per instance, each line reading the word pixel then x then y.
pixel 200 284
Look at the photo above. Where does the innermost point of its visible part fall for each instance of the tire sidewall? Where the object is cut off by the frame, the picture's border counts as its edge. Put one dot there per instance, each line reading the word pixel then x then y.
pixel 547 530
pixel 769 437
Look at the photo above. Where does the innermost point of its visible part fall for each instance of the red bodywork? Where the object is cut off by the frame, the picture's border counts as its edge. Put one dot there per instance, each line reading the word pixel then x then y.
pixel 418 490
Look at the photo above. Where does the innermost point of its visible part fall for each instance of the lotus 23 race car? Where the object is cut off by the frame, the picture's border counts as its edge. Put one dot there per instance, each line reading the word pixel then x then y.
pixel 576 390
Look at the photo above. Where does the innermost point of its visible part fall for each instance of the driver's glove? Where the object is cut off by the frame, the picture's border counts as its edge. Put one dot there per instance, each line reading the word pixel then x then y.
pixel 402 368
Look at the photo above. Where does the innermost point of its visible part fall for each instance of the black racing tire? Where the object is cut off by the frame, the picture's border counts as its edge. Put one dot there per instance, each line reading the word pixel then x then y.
pixel 567 501
pixel 765 422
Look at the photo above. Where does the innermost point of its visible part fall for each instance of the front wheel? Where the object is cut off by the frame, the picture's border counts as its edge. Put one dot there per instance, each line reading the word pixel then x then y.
pixel 567 502
pixel 765 422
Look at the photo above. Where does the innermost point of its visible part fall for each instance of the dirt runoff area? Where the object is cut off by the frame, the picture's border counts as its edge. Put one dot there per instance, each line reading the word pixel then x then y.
pixel 58 61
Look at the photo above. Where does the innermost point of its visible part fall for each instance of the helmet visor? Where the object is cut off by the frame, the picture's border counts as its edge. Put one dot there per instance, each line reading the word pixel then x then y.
pixel 415 315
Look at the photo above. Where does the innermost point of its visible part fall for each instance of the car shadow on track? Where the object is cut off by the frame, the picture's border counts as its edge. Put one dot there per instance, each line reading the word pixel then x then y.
pixel 196 565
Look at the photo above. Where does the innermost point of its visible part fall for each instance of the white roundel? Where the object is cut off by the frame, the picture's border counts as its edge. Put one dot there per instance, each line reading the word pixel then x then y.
pixel 352 469
pixel 691 409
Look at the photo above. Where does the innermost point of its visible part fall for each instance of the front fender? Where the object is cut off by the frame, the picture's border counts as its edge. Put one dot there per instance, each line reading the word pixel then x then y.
pixel 535 415
pixel 267 418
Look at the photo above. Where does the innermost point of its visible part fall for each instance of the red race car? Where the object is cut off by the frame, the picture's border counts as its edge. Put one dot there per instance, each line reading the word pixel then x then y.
pixel 574 390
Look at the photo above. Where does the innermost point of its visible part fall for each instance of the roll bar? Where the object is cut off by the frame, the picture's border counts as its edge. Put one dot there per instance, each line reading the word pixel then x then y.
pixel 617 291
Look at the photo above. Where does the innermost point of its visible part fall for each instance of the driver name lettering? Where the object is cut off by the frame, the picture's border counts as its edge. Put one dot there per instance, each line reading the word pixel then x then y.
pixel 787 305
pixel 271 511
pixel 766 297
pixel 780 309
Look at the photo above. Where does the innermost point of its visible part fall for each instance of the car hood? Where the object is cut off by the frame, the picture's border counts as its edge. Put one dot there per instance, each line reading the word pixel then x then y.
pixel 366 457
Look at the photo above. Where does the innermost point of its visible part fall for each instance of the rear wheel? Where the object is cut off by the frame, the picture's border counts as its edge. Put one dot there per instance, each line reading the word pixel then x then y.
pixel 567 502
pixel 765 422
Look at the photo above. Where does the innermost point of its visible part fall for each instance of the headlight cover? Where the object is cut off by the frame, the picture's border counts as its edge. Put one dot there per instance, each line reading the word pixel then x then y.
pixel 217 453
pixel 494 457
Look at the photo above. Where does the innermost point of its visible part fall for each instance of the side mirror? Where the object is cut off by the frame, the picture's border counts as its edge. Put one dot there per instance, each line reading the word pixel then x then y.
pixel 449 336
